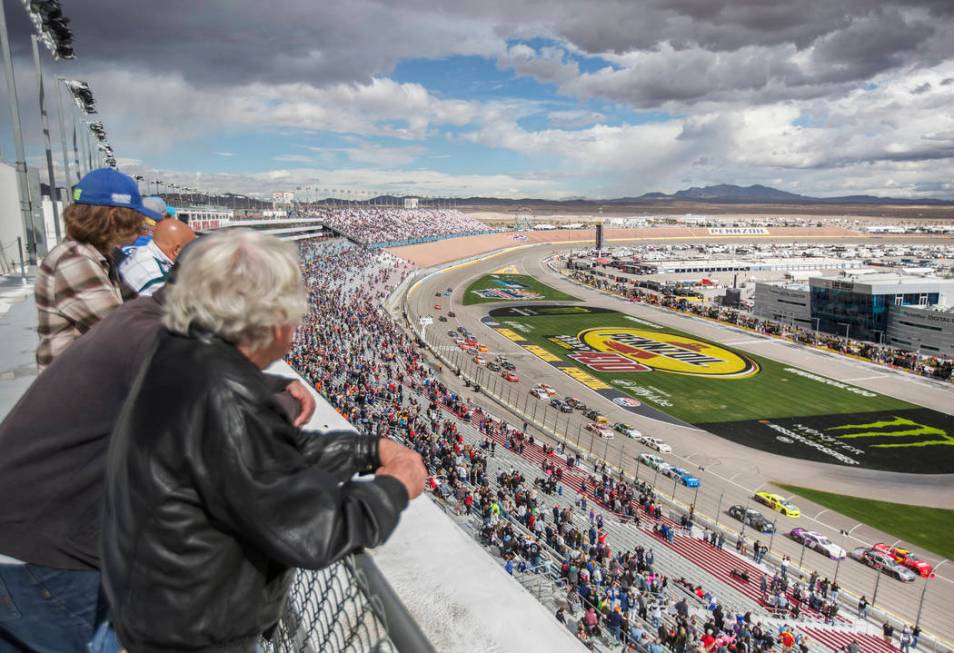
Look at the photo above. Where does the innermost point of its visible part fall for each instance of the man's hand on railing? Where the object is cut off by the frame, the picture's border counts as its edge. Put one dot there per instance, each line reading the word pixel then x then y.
pixel 404 465
pixel 305 400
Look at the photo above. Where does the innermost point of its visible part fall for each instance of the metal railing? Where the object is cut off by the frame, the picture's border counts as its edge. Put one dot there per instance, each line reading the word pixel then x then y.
pixel 346 607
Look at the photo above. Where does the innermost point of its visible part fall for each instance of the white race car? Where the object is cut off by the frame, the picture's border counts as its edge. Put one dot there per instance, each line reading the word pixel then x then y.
pixel 819 542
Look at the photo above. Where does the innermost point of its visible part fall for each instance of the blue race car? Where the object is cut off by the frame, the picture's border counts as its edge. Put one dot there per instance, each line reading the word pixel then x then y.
pixel 685 477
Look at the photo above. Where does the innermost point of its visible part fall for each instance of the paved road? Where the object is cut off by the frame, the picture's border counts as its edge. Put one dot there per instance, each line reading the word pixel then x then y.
pixel 731 472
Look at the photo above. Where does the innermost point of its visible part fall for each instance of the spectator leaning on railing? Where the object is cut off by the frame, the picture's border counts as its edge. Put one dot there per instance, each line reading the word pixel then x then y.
pixel 212 496
pixel 54 443
pixel 77 284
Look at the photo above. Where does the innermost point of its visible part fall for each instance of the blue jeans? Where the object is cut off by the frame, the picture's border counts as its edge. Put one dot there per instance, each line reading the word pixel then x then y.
pixel 48 610
pixel 105 640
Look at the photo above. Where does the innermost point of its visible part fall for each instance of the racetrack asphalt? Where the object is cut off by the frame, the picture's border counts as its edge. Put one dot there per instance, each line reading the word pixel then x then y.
pixel 730 473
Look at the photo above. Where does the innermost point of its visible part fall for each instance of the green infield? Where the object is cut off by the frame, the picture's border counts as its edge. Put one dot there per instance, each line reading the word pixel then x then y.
pixel 929 528
pixel 510 288
pixel 741 396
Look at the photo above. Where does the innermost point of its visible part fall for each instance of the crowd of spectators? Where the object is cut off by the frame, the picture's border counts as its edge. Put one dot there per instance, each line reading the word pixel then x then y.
pixel 352 351
pixel 375 225
pixel 930 366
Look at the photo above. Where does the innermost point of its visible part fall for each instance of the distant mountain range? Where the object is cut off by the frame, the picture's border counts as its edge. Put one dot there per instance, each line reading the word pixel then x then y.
pixel 719 194
pixel 757 194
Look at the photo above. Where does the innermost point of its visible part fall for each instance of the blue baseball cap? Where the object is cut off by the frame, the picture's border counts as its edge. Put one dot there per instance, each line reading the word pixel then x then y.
pixel 109 187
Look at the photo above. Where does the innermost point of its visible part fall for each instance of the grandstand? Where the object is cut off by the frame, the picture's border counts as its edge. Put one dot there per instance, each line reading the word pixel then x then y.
pixel 390 227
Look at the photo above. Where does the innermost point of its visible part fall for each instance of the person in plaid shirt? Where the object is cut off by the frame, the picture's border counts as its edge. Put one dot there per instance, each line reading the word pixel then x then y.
pixel 77 284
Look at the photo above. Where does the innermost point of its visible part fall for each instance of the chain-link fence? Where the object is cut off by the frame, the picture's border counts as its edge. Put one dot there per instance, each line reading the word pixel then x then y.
pixel 345 608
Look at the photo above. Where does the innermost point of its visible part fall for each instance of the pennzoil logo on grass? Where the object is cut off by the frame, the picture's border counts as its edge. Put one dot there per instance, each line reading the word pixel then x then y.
pixel 622 349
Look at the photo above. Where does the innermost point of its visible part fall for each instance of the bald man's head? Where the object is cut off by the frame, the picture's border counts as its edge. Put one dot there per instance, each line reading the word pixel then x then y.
pixel 171 236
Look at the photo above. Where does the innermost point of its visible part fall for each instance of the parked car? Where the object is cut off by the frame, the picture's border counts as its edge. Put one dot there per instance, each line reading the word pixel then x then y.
pixel 752 518
pixel 883 562
pixel 819 542
pixel 778 503
pixel 656 443
pixel 626 430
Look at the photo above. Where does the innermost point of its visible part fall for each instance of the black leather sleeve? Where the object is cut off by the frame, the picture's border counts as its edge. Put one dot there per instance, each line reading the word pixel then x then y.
pixel 295 510
pixel 346 453
pixel 276 382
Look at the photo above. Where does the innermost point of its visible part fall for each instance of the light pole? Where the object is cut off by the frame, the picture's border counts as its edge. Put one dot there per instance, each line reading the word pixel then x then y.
pixel 917 621
pixel 718 508
pixel 66 157
pixel 26 204
pixel 45 124
pixel 844 538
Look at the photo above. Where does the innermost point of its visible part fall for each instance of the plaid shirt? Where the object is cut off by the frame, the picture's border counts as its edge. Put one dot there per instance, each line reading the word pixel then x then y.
pixel 75 289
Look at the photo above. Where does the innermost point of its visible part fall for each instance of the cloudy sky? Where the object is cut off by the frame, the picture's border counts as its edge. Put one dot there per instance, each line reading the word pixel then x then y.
pixel 517 98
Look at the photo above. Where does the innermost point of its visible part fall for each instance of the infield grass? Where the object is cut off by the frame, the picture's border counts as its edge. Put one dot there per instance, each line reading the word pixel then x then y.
pixel 929 528
pixel 776 391
pixel 520 283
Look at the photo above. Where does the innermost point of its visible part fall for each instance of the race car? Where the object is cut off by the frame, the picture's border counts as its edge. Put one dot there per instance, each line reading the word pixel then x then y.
pixel 479 360
pixel 626 430
pixel 452 334
pixel 547 388
pixel 684 477
pixel 560 405
pixel 883 562
pixel 654 461
pixel 600 429
pixel 437 307
pixel 493 367
pixel 507 365
pixel 510 376
pixel 778 503
pixel 451 314
pixel 482 348
pixel 574 403
pixel 819 542
pixel 908 559
pixel 752 518
pixel 538 393
pixel 656 443
pixel 441 318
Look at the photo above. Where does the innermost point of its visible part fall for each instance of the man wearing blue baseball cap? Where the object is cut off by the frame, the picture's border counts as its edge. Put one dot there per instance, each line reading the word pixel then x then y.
pixel 77 283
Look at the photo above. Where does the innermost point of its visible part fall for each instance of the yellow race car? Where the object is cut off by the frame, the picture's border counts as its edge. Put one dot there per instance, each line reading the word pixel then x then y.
pixel 778 503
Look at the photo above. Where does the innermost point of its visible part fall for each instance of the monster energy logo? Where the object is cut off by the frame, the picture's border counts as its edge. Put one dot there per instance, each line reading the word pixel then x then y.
pixel 900 427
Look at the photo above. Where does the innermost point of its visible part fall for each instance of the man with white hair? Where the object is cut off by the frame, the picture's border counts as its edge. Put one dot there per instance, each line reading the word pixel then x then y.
pixel 212 496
